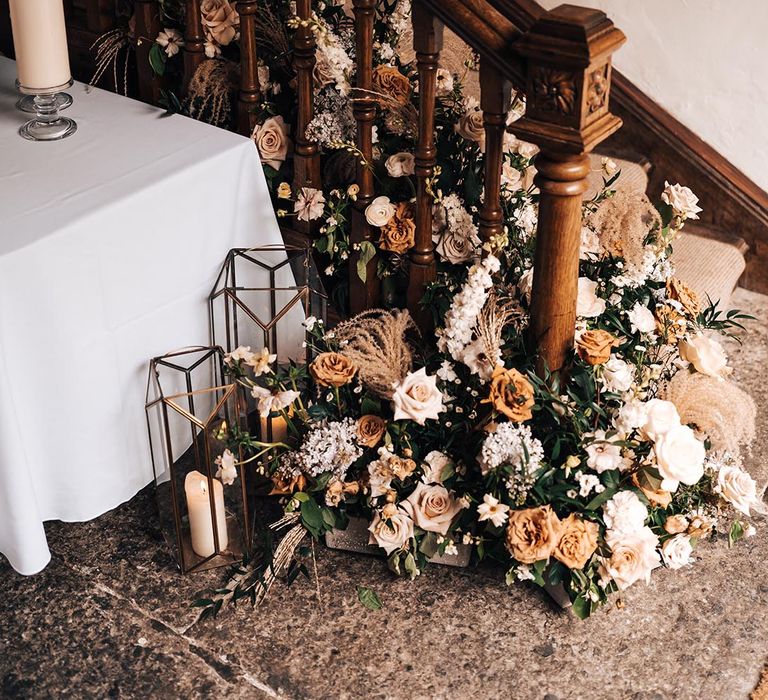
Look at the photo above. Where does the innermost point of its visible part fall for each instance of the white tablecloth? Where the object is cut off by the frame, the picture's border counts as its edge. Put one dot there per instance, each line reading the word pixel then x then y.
pixel 110 242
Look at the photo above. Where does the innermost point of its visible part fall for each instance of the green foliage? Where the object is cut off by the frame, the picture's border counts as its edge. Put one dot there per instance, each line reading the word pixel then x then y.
pixel 368 598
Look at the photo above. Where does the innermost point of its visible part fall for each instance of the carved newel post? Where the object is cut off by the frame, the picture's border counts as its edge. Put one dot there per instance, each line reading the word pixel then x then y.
pixel 568 74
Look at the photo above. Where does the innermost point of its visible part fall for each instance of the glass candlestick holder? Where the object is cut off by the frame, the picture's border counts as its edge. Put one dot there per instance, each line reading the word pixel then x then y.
pixel 47 124
pixel 27 102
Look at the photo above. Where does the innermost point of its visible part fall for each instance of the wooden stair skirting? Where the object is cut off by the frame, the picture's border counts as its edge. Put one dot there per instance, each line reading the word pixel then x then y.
pixel 731 202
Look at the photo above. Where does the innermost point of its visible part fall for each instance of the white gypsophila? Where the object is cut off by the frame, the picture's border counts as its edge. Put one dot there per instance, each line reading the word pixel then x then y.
pixel 624 513
pixel 617 375
pixel 514 446
pixel 329 447
pixel 467 304
pixel 589 483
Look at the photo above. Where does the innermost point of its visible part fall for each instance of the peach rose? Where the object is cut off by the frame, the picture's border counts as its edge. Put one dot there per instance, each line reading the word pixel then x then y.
pixel 392 85
pixel 271 138
pixel 532 534
pixel 684 295
pixel 594 347
pixel 220 21
pixel 578 541
pixel 511 394
pixel 370 430
pixel 332 369
pixel 392 532
pixel 675 524
pixel 432 508
pixel 399 233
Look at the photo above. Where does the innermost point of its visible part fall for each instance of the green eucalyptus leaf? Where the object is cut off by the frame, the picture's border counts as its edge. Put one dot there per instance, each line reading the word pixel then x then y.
pixel 157 59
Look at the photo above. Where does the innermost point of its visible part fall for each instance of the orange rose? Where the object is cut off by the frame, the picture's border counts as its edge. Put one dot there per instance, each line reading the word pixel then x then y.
pixel 511 394
pixel 399 234
pixel 594 347
pixel 332 369
pixel 532 534
pixel 578 541
pixel 370 430
pixel 392 85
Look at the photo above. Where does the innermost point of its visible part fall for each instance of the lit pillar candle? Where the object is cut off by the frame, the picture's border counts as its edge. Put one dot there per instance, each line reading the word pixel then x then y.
pixel 199 510
pixel 40 43
pixel 279 428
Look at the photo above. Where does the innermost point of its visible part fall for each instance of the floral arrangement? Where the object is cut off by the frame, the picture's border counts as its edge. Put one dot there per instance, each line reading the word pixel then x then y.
pixel 590 478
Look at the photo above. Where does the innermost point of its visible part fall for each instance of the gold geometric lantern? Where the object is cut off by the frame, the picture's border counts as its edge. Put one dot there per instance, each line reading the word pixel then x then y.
pixel 200 481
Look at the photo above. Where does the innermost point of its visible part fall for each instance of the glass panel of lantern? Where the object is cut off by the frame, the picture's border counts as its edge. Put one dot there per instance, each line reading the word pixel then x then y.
pixel 193 419
pixel 261 299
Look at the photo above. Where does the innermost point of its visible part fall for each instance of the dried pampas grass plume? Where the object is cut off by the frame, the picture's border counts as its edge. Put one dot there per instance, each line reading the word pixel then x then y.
pixel 498 313
pixel 375 341
pixel 718 408
pixel 623 222
pixel 209 92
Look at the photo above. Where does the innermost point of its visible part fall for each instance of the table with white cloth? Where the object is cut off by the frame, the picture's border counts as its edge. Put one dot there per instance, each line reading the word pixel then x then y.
pixel 110 242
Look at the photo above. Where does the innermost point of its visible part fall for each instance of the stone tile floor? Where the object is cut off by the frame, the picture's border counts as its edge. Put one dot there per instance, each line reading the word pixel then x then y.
pixel 110 618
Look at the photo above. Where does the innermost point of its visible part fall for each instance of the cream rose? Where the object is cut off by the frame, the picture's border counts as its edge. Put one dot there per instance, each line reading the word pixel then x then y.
pixel 400 164
pixel 417 397
pixel 379 211
pixel 471 127
pixel 588 304
pixel 633 557
pixel 676 552
pixel 641 319
pixel 705 354
pixel 660 417
pixel 392 533
pixel 432 508
pixel 738 488
pixel 271 138
pixel 617 375
pixel 679 457
pixel 683 201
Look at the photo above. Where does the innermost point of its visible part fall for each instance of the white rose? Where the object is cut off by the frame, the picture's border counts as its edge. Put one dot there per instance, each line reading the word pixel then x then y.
pixel 676 551
pixel 641 319
pixel 624 513
pixel 617 375
pixel 443 82
pixel 604 455
pixel 679 457
pixel 683 202
pixel 379 211
pixel 738 488
pixel 417 397
pixel 660 417
pixel 391 534
pixel 510 175
pixel 705 354
pixel 434 466
pixel 588 304
pixel 401 164
pixel 633 557
pixel 432 508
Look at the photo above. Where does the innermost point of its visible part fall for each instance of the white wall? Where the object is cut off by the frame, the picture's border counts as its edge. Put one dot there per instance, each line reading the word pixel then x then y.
pixel 705 62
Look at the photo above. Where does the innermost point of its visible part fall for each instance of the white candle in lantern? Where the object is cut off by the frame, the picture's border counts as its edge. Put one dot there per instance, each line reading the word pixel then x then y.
pixel 199 510
pixel 40 43
pixel 279 428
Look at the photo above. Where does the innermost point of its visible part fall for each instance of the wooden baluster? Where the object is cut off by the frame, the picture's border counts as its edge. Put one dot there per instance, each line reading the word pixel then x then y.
pixel 306 159
pixel 100 15
pixel 427 41
pixel 194 42
pixel 147 14
pixel 249 95
pixel 363 295
pixel 494 100
pixel 568 73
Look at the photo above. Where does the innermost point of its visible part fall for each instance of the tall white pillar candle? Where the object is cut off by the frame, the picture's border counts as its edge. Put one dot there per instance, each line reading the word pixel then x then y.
pixel 40 43
pixel 199 510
